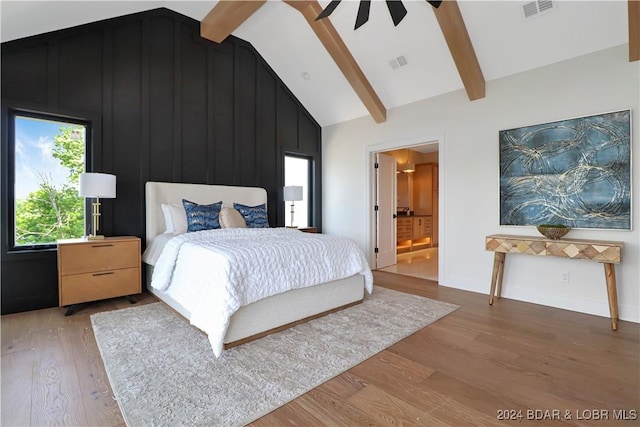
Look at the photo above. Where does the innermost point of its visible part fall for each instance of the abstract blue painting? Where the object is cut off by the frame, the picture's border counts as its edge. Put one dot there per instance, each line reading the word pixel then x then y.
pixel 575 172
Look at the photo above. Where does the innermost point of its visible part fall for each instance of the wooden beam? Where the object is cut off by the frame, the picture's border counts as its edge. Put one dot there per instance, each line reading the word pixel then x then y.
pixel 226 16
pixel 457 37
pixel 634 30
pixel 334 44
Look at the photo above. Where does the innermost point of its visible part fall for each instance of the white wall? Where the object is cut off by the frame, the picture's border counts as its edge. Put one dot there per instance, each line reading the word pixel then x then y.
pixel 469 186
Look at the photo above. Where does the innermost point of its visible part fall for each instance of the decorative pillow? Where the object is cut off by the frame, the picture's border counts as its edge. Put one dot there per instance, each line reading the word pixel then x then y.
pixel 231 218
pixel 254 216
pixel 202 217
pixel 175 218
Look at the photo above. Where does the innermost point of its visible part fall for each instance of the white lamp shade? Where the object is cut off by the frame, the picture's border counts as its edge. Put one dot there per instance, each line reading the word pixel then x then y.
pixel 98 185
pixel 292 193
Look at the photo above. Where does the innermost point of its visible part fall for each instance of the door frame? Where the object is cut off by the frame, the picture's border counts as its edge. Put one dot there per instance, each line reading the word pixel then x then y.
pixel 370 219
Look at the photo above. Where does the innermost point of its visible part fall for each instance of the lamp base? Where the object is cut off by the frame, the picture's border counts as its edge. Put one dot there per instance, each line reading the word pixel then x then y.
pixel 92 237
pixel 290 226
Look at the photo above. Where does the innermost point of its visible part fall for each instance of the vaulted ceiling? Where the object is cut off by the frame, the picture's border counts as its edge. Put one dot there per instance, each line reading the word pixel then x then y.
pixel 340 74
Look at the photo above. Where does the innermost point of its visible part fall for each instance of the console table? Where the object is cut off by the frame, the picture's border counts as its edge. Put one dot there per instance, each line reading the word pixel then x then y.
pixel 608 253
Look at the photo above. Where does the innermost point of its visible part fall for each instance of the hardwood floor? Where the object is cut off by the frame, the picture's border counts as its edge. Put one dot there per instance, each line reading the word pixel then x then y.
pixel 468 368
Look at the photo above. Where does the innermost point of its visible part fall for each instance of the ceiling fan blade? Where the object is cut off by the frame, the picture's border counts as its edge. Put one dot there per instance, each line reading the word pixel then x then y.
pixel 363 13
pixel 397 11
pixel 329 9
pixel 434 3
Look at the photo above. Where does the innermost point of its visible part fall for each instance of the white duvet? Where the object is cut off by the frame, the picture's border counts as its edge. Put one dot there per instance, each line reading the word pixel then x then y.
pixel 213 273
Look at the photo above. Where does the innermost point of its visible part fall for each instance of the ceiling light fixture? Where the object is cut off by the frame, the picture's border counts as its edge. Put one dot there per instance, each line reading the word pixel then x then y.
pixel 408 166
pixel 396 10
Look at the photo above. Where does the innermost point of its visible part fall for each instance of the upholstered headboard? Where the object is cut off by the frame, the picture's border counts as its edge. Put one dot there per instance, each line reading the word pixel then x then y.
pixel 157 193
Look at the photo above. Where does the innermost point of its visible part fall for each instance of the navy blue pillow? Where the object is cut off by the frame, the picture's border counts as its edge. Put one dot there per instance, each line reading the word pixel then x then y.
pixel 202 217
pixel 254 216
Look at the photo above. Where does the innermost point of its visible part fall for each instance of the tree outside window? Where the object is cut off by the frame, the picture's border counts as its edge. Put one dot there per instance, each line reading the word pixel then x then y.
pixel 49 156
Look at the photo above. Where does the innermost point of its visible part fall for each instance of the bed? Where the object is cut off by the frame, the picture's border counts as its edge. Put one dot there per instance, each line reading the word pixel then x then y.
pixel 185 283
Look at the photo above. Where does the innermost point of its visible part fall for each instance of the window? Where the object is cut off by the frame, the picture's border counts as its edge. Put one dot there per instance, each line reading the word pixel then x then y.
pixel 48 156
pixel 297 172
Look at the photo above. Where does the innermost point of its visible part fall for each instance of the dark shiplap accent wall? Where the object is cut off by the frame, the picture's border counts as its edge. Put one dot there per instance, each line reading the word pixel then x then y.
pixel 166 105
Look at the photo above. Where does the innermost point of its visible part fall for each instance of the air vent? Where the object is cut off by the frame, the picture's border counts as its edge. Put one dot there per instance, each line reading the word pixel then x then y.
pixel 398 62
pixel 544 5
pixel 536 7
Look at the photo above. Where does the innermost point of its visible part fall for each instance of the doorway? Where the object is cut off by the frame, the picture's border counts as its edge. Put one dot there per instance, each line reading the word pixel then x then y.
pixel 422 263
pixel 416 209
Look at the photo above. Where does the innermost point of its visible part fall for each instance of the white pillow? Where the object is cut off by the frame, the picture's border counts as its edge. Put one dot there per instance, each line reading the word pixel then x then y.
pixel 168 222
pixel 175 218
pixel 231 218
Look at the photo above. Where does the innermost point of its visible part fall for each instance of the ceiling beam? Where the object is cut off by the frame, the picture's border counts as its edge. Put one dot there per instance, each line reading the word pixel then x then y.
pixel 455 33
pixel 334 44
pixel 226 16
pixel 634 30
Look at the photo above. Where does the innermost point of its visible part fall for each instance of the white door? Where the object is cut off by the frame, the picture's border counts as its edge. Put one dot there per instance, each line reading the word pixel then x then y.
pixel 386 187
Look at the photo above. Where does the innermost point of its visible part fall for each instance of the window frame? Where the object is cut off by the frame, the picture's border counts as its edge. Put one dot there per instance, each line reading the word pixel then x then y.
pixel 12 113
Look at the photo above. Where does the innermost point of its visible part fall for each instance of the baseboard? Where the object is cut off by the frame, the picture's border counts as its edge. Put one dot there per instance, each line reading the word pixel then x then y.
pixel 626 312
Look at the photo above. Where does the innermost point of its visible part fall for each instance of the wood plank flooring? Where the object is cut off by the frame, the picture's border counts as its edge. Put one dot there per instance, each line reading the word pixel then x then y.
pixel 468 368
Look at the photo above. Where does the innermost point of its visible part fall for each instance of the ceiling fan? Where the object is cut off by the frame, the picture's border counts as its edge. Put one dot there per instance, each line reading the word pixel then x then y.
pixel 396 10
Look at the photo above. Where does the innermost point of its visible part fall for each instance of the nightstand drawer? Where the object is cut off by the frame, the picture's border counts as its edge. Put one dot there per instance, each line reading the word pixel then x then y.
pixel 79 288
pixel 98 256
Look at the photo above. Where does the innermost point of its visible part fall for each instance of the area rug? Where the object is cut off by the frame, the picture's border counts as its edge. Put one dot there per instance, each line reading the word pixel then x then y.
pixel 163 371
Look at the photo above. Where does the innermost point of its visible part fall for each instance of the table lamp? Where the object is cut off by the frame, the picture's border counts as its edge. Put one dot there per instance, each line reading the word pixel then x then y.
pixel 97 185
pixel 292 193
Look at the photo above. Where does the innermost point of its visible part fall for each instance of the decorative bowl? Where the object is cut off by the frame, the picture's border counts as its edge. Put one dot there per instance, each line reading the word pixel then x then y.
pixel 553 231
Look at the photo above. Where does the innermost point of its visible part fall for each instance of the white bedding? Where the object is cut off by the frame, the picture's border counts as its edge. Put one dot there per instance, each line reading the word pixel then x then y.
pixel 154 249
pixel 215 272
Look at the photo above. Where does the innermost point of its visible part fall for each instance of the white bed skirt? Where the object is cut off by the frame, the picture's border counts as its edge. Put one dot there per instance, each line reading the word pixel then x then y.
pixel 281 309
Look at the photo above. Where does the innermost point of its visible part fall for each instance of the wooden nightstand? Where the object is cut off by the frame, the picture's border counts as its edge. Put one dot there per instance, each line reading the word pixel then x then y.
pixel 91 270
pixel 308 229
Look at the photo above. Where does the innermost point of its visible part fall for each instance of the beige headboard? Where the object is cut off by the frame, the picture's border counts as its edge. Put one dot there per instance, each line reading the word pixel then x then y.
pixel 157 193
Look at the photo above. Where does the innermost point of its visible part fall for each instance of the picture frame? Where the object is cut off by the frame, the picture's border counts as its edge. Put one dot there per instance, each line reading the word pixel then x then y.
pixel 575 172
